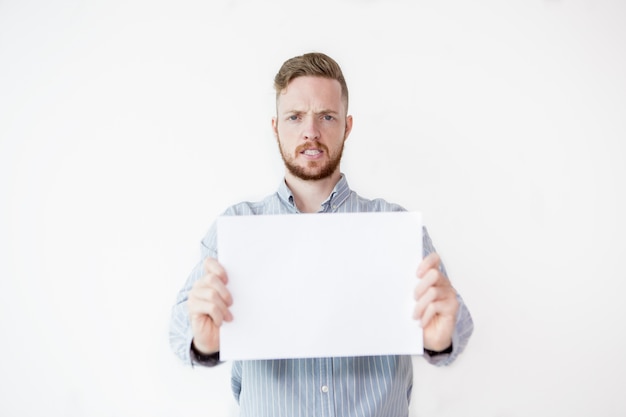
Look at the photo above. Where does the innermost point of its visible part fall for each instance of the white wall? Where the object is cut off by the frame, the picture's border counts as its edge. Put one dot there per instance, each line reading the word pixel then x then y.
pixel 127 126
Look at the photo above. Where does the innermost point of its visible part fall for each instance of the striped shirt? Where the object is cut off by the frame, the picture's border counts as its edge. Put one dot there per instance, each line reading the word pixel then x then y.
pixel 370 386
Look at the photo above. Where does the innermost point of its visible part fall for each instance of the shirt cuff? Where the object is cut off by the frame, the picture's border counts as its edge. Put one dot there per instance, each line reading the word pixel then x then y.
pixel 433 353
pixel 199 358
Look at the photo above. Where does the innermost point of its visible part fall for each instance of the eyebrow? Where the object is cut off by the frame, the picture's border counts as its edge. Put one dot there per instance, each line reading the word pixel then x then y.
pixel 323 111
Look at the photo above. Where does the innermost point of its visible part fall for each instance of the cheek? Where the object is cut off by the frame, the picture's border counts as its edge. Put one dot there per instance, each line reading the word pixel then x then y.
pixel 286 131
pixel 336 134
pixel 335 130
pixel 285 139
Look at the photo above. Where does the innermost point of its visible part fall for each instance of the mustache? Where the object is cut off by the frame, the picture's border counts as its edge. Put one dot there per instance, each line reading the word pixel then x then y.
pixel 308 146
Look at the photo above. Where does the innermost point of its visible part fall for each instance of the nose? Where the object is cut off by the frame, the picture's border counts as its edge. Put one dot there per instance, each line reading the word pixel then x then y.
pixel 311 130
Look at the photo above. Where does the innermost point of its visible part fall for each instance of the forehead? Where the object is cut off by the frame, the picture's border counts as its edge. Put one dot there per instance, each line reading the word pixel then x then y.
pixel 311 92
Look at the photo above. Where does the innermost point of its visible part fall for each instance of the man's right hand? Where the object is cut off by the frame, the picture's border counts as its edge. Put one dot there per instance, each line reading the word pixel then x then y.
pixel 208 302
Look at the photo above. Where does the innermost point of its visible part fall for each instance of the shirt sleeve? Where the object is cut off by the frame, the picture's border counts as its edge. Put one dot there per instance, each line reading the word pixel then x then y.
pixel 180 327
pixel 464 323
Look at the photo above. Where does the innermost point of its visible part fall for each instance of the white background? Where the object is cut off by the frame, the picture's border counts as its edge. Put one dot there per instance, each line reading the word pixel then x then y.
pixel 126 127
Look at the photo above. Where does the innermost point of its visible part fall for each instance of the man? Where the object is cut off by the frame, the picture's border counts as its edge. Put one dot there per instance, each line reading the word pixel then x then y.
pixel 311 126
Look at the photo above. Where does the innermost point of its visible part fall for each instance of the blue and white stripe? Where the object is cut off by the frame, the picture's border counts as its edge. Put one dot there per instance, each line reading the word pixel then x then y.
pixel 345 386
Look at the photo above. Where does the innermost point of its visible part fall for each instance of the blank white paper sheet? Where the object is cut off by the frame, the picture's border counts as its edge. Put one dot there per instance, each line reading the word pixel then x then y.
pixel 320 285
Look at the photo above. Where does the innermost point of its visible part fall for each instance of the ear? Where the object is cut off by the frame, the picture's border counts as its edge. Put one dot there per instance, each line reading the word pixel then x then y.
pixel 275 126
pixel 348 127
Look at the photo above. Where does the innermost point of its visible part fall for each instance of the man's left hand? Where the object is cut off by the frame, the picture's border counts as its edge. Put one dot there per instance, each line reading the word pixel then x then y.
pixel 436 305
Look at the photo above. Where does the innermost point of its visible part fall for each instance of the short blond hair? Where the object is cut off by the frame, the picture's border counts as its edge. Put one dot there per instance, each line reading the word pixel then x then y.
pixel 314 64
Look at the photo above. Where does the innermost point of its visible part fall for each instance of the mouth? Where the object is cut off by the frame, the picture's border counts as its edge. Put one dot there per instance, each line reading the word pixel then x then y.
pixel 311 152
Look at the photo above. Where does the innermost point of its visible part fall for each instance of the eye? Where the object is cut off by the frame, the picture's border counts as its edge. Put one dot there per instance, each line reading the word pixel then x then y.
pixel 293 117
pixel 328 117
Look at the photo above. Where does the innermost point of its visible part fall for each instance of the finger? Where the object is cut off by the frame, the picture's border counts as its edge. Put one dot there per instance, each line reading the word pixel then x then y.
pixel 429 280
pixel 215 277
pixel 429 313
pixel 213 267
pixel 207 301
pixel 441 302
pixel 215 283
pixel 431 261
pixel 430 296
pixel 211 283
pixel 219 313
pixel 444 311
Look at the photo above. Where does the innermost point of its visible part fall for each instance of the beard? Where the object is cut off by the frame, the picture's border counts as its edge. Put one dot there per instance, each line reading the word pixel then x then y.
pixel 314 170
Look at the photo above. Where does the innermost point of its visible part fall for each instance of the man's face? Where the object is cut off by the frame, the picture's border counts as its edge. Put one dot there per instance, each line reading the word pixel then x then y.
pixel 311 126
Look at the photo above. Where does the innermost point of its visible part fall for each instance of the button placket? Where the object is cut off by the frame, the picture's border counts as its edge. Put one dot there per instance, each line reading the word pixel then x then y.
pixel 325 385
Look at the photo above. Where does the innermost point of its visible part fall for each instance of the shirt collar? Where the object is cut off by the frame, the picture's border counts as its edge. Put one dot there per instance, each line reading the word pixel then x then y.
pixel 339 194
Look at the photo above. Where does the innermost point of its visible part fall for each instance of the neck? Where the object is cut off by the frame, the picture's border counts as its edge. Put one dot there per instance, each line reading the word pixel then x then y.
pixel 309 195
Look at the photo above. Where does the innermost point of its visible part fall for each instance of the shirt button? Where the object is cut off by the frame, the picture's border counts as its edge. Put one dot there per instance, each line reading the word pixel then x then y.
pixel 324 389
